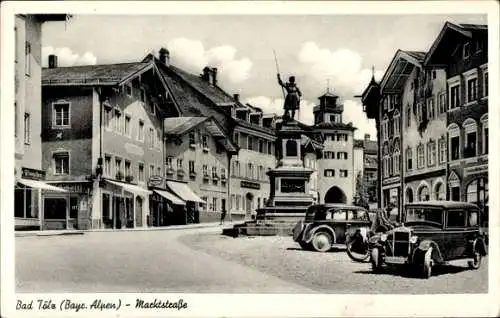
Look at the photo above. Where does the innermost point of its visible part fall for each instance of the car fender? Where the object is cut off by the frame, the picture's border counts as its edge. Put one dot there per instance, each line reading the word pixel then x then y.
pixel 424 246
pixel 309 236
pixel 479 245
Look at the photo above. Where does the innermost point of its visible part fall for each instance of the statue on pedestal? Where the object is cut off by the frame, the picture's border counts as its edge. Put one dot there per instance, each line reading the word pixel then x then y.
pixel 292 99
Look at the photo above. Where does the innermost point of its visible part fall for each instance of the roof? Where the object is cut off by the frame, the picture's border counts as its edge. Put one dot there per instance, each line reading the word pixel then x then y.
pixel 443 204
pixel 402 65
pixel 371 146
pixel 465 30
pixel 328 94
pixel 340 126
pixel 104 74
pixel 306 142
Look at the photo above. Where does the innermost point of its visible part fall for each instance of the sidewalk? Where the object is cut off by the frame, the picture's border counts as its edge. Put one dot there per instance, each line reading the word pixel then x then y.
pixel 162 228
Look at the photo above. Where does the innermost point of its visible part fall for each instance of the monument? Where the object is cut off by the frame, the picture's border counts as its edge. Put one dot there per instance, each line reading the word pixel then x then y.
pixel 290 193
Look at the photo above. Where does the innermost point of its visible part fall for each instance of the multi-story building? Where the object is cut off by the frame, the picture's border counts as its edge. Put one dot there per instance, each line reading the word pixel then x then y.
pixel 462 50
pixel 336 182
pixel 28 119
pixel 365 158
pixel 102 142
pixel 197 153
pixel 250 130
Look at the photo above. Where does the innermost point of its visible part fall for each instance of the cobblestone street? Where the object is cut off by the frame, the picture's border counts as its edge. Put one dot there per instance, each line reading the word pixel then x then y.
pixel 201 260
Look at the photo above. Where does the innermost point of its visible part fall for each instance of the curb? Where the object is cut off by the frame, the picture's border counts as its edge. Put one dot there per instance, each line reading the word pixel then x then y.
pixel 145 229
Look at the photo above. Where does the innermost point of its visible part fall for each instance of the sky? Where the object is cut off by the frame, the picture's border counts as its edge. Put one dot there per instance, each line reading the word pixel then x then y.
pixel 335 52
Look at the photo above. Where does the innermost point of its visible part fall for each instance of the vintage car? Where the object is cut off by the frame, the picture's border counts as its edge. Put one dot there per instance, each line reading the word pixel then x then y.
pixel 432 233
pixel 327 224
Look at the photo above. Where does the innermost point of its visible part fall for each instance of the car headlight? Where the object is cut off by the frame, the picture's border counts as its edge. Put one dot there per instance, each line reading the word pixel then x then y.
pixel 383 237
pixel 413 239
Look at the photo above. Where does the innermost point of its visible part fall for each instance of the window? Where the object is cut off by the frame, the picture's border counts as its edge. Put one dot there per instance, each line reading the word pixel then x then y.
pixel 261 146
pixel 408 116
pixel 423 194
pixel 485 84
pixel 328 155
pixel 179 164
pixel 27 59
pixel 455 193
pixel 152 108
pixel 205 170
pixel 456 218
pixel 385 129
pixel 61 115
pixel 329 173
pixel 420 156
pixel 433 74
pixel 158 139
pixel 395 163
pixel 442 150
pixel 127 130
pixel 128 90
pixel 108 117
pixel 191 166
pixel 27 128
pixel 127 168
pixel 214 172
pixel 342 155
pixel 236 138
pixel 205 141
pixel 118 167
pixel 440 192
pixel 430 108
pixel 442 103
pixel 107 166
pixel 269 148
pixel 484 122
pixel 249 171
pixel 140 172
pixel 431 153
pixel 396 124
pixel 118 121
pixel 143 95
pixel 151 170
pixel 291 148
pixel 472 196
pixel 223 172
pixel 454 96
pixel 151 138
pixel 55 208
pixel 214 204
pixel 192 138
pixel 470 127
pixel 61 163
pixel 343 173
pixel 250 143
pixel 169 162
pixel 471 89
pixel 466 50
pixel 454 142
pixel 140 132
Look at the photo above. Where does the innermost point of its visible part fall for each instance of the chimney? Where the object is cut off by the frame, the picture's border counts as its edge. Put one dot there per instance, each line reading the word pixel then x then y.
pixel 206 74
pixel 52 61
pixel 367 136
pixel 164 56
pixel 236 97
pixel 214 76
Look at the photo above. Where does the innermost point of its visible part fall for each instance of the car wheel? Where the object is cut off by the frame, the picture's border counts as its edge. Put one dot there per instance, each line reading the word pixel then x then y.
pixel 322 241
pixel 357 248
pixel 305 246
pixel 427 264
pixel 475 263
pixel 375 259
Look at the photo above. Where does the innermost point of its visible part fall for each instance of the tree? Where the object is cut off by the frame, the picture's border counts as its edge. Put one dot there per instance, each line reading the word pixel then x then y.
pixel 361 197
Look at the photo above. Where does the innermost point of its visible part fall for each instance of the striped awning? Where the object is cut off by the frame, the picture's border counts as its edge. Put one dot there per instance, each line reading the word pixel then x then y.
pixel 39 185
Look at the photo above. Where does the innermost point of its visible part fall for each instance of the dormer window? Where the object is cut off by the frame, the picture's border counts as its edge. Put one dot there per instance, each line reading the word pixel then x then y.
pixel 466 50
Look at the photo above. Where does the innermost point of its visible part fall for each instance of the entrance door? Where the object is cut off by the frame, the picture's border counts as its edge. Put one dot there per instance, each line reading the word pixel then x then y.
pixel 248 205
pixel 138 211
pixel 107 218
pixel 117 220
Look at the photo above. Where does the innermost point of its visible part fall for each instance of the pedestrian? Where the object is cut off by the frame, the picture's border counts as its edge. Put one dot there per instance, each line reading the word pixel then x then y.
pixel 382 223
pixel 222 216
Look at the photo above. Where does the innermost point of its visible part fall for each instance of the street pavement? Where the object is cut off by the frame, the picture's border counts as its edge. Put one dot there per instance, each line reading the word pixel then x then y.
pixel 203 261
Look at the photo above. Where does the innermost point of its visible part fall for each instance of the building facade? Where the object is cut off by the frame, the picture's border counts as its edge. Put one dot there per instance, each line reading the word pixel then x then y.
pixel 365 154
pixel 102 133
pixel 28 120
pixel 336 167
pixel 466 68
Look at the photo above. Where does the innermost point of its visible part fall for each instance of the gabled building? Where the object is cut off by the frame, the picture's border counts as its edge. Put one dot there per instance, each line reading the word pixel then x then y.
pixel 462 51
pixel 366 164
pixel 197 153
pixel 249 129
pixel 102 140
pixel 30 176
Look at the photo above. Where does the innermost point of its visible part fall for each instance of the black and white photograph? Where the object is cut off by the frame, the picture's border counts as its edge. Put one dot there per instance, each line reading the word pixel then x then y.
pixel 280 149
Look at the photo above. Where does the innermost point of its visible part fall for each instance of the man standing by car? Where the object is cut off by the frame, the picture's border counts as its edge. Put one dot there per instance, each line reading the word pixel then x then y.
pixel 382 223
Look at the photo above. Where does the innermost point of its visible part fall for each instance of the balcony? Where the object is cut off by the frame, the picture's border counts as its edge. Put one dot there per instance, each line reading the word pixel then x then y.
pixel 469 152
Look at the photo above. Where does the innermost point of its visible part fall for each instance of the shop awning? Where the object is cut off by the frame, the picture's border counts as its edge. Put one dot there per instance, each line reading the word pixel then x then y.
pixel 39 185
pixel 130 187
pixel 171 197
pixel 184 192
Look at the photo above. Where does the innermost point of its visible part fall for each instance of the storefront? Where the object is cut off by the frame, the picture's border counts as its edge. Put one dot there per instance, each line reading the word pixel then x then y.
pixel 193 201
pixel 123 205
pixel 69 210
pixel 28 204
pixel 166 208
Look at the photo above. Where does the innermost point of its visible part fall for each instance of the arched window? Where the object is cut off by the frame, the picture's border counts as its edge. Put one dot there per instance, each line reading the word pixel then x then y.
pixel 385 125
pixel 470 127
pixel 409 159
pixel 397 127
pixel 472 196
pixel 420 156
pixel 484 125
pixel 409 195
pixel 454 142
pixel 395 157
pixel 439 193
pixel 423 193
pixel 291 148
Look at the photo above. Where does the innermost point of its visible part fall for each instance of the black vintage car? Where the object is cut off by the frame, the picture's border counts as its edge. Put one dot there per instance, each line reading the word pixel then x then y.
pixel 327 224
pixel 432 233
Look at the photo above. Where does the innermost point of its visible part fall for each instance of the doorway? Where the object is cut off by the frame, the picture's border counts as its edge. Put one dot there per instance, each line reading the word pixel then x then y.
pixel 248 205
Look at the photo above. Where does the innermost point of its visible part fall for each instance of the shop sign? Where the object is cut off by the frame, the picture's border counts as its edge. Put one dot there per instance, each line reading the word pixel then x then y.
pixel 155 181
pixel 73 187
pixel 250 185
pixel 33 174
pixel 390 180
pixel 475 170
